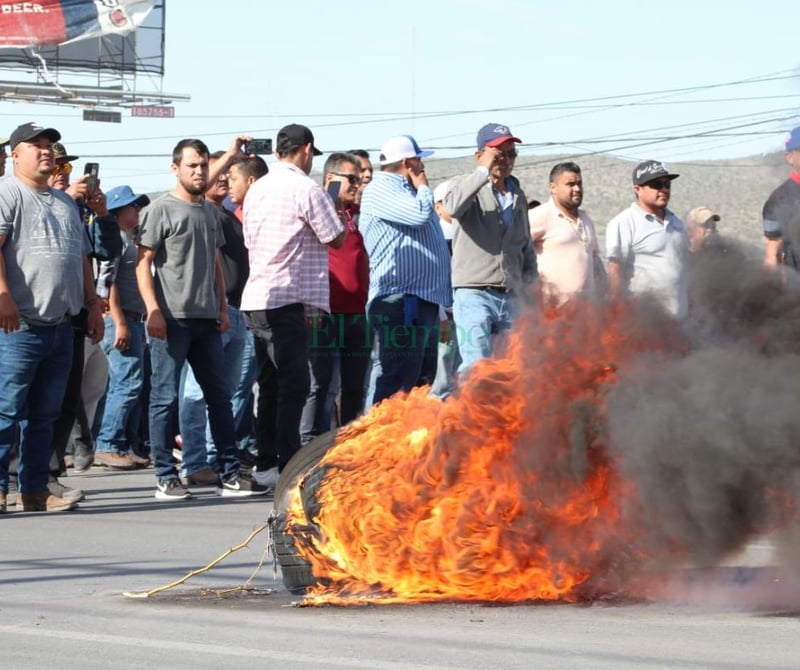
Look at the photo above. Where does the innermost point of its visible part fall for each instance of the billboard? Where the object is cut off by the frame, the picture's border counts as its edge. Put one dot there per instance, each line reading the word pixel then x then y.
pixel 115 36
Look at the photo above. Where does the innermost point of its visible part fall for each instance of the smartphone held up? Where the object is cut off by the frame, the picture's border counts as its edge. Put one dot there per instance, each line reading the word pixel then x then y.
pixel 92 171
pixel 258 146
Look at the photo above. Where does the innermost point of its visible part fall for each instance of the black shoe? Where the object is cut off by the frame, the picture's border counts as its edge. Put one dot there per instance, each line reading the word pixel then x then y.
pixel 82 458
pixel 240 486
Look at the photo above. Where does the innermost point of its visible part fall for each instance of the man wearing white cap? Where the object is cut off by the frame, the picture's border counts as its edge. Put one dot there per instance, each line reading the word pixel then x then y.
pixel 493 254
pixel 409 267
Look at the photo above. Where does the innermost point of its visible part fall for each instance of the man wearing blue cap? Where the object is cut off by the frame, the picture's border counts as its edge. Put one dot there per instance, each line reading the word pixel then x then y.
pixel 781 212
pixel 493 254
pixel 409 274
pixel 124 338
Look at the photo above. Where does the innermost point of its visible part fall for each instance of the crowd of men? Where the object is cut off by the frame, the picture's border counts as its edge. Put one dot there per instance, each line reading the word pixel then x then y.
pixel 212 332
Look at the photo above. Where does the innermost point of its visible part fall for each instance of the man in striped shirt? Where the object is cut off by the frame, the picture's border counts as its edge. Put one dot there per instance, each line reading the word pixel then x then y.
pixel 409 266
pixel 288 223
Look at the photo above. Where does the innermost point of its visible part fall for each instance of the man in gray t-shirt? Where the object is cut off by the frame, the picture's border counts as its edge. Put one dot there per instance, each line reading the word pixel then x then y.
pixel 180 280
pixel 45 278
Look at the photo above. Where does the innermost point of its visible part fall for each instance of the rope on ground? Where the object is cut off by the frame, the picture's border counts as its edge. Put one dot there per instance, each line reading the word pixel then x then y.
pixel 199 571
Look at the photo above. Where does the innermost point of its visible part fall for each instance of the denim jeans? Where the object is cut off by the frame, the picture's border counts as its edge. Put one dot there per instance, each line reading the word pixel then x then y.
pixel 198 342
pixel 280 337
pixel 243 400
pixel 480 314
pixel 446 365
pixel 35 362
pixel 405 329
pixel 198 449
pixel 342 338
pixel 125 383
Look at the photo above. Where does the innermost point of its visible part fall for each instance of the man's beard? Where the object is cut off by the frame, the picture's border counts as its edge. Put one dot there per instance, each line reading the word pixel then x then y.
pixel 193 189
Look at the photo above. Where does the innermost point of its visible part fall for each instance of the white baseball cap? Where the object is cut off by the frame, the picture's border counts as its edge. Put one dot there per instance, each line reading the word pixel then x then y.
pixel 403 146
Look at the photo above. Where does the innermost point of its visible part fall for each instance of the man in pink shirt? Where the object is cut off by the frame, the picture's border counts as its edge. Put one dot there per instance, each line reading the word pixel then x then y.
pixel 289 222
pixel 567 252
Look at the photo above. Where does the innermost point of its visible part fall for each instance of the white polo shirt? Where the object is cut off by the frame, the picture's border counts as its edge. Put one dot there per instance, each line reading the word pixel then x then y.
pixel 653 254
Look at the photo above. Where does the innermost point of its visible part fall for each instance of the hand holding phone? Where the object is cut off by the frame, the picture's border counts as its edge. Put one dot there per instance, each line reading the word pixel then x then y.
pixel 92 170
pixel 334 186
pixel 263 146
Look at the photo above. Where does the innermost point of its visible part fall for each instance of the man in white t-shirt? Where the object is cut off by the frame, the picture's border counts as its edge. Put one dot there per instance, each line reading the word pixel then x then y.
pixel 646 243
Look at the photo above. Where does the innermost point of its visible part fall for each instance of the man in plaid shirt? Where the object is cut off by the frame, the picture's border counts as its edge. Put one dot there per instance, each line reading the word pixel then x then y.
pixel 289 221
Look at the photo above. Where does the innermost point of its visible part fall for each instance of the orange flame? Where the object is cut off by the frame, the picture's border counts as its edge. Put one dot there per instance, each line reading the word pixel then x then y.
pixel 503 492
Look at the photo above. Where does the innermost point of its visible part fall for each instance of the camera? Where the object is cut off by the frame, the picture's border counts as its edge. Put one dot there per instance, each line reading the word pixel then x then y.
pixel 263 146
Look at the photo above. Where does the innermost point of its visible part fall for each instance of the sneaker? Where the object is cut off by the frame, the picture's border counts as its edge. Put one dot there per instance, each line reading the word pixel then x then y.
pixel 82 458
pixel 171 489
pixel 3 498
pixel 268 478
pixel 114 460
pixel 68 493
pixel 240 486
pixel 204 477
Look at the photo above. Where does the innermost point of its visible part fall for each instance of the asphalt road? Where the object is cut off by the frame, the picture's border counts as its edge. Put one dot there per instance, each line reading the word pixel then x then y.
pixel 61 605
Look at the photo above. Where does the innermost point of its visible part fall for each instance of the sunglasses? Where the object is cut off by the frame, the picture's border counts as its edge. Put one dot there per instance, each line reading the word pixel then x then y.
pixel 353 179
pixel 662 185
pixel 509 155
pixel 63 168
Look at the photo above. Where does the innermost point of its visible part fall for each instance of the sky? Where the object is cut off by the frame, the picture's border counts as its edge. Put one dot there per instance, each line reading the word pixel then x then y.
pixel 679 81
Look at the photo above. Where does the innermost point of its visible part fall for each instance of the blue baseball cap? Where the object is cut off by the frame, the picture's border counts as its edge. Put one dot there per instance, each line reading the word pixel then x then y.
pixel 121 196
pixel 494 134
pixel 793 143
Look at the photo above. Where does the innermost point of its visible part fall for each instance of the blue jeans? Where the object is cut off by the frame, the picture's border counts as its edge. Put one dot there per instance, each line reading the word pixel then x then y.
pixel 281 343
pixel 198 449
pixel 125 384
pixel 479 314
pixel 198 342
pixel 447 363
pixel 403 326
pixel 35 362
pixel 336 338
pixel 243 400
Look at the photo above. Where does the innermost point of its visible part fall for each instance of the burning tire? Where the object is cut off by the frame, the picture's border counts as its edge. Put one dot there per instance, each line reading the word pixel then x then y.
pixel 296 571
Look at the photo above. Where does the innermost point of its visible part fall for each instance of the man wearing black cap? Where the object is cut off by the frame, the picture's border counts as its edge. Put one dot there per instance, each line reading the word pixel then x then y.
pixel 288 223
pixel 493 253
pixel 45 279
pixel 646 244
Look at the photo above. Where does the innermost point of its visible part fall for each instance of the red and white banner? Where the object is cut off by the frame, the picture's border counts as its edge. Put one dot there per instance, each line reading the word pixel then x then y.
pixel 53 22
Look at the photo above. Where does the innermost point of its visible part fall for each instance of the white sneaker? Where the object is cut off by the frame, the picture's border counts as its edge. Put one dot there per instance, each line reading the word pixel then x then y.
pixel 268 478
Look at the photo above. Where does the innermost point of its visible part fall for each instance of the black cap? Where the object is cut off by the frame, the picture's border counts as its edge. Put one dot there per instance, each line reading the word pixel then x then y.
pixel 27 131
pixel 293 136
pixel 649 170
